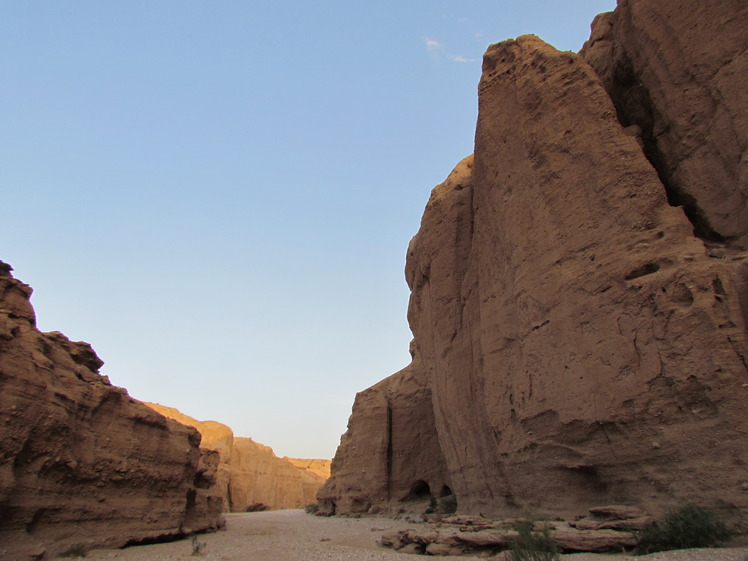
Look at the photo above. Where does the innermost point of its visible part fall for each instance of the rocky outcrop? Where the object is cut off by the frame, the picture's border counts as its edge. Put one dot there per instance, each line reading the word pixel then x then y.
pixel 459 535
pixel 580 338
pixel 260 478
pixel 215 437
pixel 250 475
pixel 390 451
pixel 679 74
pixel 82 463
pixel 318 467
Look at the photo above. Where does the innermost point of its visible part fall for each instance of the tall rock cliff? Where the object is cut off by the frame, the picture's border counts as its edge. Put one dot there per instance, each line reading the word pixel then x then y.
pixel 679 72
pixel 82 463
pixel 250 475
pixel 579 290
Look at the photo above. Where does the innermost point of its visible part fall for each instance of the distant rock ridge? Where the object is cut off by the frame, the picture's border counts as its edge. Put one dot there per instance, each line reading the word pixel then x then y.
pixel 82 464
pixel 250 475
pixel 318 467
pixel 579 287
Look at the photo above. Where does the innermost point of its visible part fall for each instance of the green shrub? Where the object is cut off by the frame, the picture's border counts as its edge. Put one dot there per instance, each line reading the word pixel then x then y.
pixel 533 545
pixel 448 504
pixel 689 527
pixel 311 509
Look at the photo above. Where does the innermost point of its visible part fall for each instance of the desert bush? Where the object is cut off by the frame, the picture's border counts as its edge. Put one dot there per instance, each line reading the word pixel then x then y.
pixel 197 546
pixel 312 508
pixel 688 527
pixel 448 504
pixel 431 509
pixel 534 545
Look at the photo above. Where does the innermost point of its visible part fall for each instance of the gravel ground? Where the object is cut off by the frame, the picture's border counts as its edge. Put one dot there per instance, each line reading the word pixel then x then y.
pixel 292 535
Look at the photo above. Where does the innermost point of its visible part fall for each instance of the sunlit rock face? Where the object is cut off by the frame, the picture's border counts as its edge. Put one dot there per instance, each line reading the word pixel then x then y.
pixel 250 475
pixel 318 467
pixel 579 338
pixel 82 463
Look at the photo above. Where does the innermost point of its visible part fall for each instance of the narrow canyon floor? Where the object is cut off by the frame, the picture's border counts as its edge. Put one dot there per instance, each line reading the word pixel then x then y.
pixel 292 535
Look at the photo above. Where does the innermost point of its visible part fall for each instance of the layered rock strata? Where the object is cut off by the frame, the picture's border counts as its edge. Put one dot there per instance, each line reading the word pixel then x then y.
pixel 578 339
pixel 261 479
pixel 250 475
pixel 81 463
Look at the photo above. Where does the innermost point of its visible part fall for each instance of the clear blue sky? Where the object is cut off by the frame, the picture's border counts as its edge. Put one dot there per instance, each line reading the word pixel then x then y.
pixel 219 195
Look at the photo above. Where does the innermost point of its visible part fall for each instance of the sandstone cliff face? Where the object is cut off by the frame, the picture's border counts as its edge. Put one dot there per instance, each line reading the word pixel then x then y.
pixel 680 74
pixel 80 461
pixel 581 341
pixel 250 475
pixel 216 437
pixel 259 477
pixel 390 452
pixel 318 467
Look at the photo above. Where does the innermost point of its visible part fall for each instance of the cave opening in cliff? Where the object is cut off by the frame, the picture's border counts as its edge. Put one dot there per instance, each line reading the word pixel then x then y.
pixel 445 492
pixel 419 490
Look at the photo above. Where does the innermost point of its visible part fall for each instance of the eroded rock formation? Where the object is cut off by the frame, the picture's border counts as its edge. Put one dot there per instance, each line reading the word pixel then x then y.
pixel 390 451
pixel 318 467
pixel 679 74
pixel 82 463
pixel 259 477
pixel 608 528
pixel 250 475
pixel 579 314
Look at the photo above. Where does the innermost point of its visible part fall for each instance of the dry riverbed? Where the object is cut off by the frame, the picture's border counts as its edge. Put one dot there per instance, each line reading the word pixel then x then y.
pixel 292 535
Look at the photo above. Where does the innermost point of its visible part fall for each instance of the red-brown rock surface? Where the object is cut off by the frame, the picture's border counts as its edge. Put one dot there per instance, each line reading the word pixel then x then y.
pixel 680 72
pixel 250 475
pixel 579 341
pixel 82 463
pixel 391 451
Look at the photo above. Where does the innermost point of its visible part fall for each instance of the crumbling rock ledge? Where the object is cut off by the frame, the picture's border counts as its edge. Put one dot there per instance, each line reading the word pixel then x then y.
pixel 82 464
pixel 579 287
pixel 460 535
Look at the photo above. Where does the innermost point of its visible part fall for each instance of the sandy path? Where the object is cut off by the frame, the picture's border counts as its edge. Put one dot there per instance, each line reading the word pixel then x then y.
pixel 292 535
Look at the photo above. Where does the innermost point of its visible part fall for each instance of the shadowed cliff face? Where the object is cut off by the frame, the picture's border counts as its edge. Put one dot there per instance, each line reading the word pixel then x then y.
pixel 82 463
pixel 578 341
pixel 680 75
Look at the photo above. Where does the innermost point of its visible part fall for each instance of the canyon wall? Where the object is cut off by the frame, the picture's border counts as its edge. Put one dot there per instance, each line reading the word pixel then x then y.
pixel 318 467
pixel 579 286
pixel 250 475
pixel 82 463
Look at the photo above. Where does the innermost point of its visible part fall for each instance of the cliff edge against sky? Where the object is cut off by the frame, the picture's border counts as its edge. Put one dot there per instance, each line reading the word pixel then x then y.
pixel 82 464
pixel 579 286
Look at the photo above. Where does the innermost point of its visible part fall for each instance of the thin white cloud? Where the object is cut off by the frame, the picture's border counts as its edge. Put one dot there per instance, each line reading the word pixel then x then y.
pixel 438 51
pixel 460 58
pixel 432 44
